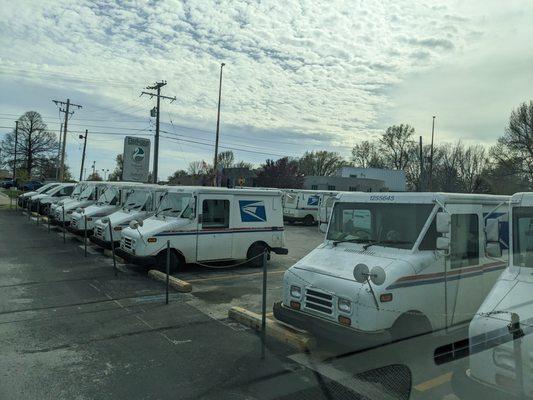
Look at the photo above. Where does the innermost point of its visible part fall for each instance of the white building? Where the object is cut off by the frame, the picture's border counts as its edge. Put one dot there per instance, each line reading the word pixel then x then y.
pixel 393 179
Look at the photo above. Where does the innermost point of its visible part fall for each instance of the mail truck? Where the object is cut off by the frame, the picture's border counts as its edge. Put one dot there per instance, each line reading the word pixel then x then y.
pixel 301 206
pixel 89 195
pixel 394 265
pixel 207 225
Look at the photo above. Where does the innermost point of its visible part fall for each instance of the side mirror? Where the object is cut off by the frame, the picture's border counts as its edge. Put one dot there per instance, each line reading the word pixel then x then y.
pixel 192 205
pixel 493 249
pixel 443 243
pixel 134 224
pixel 140 222
pixel 492 230
pixel 444 221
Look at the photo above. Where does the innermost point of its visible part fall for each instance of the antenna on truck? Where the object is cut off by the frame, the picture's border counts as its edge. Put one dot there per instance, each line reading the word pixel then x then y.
pixel 376 276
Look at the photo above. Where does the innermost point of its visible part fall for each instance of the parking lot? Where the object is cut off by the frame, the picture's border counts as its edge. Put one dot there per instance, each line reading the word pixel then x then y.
pixel 70 329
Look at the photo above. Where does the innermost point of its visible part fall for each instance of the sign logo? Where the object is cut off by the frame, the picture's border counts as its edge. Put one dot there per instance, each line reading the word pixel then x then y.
pixel 312 201
pixel 252 211
pixel 138 154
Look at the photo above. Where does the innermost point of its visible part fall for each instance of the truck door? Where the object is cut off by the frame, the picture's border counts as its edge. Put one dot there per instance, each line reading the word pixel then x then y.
pixel 463 272
pixel 214 239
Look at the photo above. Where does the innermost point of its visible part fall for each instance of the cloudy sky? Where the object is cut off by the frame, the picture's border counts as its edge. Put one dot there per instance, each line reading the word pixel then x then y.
pixel 299 75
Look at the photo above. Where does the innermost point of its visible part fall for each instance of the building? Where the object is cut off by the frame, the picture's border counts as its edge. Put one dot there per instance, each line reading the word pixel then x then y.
pixel 5 174
pixel 394 180
pixel 237 176
pixel 343 184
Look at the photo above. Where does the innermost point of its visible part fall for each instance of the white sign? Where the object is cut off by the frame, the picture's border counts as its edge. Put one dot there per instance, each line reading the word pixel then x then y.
pixel 136 159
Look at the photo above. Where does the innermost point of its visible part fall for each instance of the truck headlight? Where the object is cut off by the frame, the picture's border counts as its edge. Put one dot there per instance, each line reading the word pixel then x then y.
pixel 296 291
pixel 344 305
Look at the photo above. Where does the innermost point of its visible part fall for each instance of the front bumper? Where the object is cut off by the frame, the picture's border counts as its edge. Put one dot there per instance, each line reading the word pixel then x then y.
pixel 149 261
pixel 103 243
pixel 349 337
pixel 79 232
pixel 279 250
pixel 467 387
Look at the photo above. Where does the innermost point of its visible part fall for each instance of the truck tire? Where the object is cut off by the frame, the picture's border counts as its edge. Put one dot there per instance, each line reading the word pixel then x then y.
pixel 409 325
pixel 162 261
pixel 309 220
pixel 254 252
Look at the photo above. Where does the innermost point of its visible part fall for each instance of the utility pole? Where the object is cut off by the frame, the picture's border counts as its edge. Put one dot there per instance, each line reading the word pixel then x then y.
pixel 421 155
pixel 215 162
pixel 83 154
pixel 431 157
pixel 157 86
pixel 59 151
pixel 15 157
pixel 65 128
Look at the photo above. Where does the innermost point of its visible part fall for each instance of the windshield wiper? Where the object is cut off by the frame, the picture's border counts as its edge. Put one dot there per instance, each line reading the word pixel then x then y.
pixel 163 210
pixel 378 242
pixel 355 240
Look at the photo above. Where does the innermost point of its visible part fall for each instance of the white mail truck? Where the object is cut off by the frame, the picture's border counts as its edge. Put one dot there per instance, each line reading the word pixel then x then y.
pixel 110 200
pixel 24 198
pixel 89 195
pixel 41 202
pixel 501 334
pixel 74 196
pixel 394 265
pixel 140 203
pixel 300 206
pixel 206 225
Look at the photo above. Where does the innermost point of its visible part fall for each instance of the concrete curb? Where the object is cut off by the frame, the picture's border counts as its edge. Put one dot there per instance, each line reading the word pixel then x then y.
pixel 281 332
pixel 109 254
pixel 178 284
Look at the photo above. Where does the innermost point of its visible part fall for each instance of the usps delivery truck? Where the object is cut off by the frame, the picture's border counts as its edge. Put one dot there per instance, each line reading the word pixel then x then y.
pixel 500 335
pixel 24 198
pixel 90 194
pixel 41 202
pixel 206 225
pixel 74 196
pixel 394 265
pixel 140 203
pixel 300 206
pixel 109 201
pixel 325 205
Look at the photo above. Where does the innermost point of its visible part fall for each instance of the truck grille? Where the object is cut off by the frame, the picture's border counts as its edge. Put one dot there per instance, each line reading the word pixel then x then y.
pixel 74 222
pixel 127 244
pixel 319 301
pixel 99 232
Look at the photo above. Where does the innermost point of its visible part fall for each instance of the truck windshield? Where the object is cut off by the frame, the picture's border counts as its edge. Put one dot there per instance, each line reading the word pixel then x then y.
pixel 173 205
pixel 87 192
pixel 136 200
pixel 390 225
pixel 108 197
pixel 77 190
pixel 523 237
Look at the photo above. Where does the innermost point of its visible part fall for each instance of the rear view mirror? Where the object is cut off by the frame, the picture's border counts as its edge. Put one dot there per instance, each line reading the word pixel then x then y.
pixel 443 222
pixel 493 249
pixel 492 230
pixel 443 243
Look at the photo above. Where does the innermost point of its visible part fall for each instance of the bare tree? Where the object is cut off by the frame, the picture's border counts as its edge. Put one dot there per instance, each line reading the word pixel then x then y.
pixel 517 142
pixel 396 144
pixel 225 159
pixel 198 168
pixel 320 163
pixel 472 164
pixel 35 142
pixel 366 155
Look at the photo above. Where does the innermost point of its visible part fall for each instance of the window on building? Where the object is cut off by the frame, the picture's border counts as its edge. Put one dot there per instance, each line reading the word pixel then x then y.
pixel 331 187
pixel 215 214
pixel 464 250
pixel 352 188
pixel 314 187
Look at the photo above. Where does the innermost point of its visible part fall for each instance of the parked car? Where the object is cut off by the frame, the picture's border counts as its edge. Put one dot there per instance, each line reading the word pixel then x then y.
pixel 9 183
pixel 24 198
pixel 31 186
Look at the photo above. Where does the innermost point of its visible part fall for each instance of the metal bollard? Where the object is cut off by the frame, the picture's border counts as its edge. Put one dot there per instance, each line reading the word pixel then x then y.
pixel 85 235
pixel 112 248
pixel 263 306
pixel 168 269
pixel 49 208
pixel 28 209
pixel 518 333
pixel 64 238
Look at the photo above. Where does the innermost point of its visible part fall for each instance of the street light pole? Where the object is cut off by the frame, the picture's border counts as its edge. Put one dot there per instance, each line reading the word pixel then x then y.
pixel 83 154
pixel 215 162
pixel 431 156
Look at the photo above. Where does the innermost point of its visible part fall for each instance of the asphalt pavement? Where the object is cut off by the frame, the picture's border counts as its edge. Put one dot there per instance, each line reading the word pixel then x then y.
pixel 71 329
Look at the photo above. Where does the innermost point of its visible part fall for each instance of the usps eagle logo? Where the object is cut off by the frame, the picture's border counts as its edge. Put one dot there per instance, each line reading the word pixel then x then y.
pixel 138 154
pixel 252 210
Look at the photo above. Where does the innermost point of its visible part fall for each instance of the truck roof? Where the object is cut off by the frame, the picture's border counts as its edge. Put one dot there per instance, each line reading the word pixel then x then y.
pixel 522 198
pixel 221 190
pixel 421 197
pixel 308 191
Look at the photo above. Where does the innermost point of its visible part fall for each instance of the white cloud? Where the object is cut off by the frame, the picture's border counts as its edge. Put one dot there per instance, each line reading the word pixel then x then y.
pixel 318 73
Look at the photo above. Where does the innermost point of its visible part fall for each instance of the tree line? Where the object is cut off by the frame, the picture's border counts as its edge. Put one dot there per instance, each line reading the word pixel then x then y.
pixel 506 167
